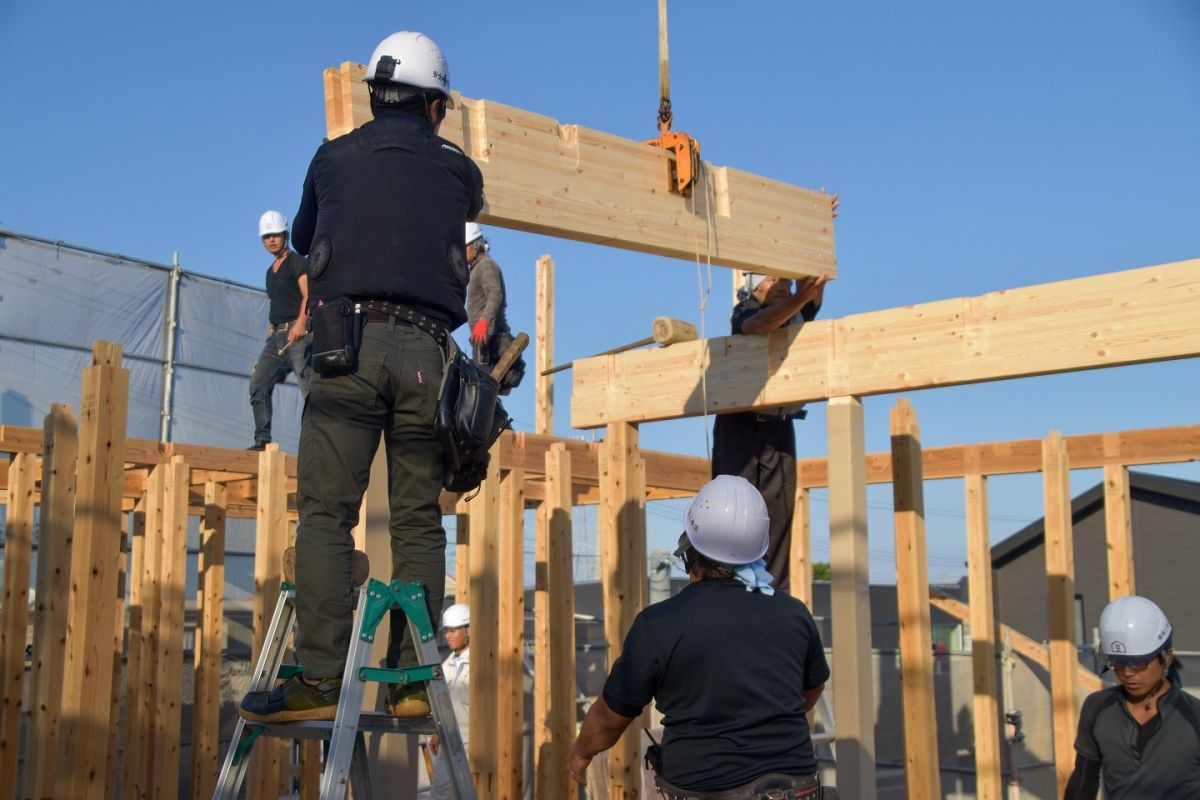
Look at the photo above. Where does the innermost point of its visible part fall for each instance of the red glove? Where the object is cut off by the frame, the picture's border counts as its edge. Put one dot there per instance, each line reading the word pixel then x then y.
pixel 479 332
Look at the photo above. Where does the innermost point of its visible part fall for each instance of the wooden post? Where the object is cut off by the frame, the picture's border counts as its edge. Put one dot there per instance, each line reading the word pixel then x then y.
pixel 169 662
pixel 622 526
pixel 554 625
pixel 57 521
pixel 14 613
pixel 986 715
pixel 485 628
pixel 140 694
pixel 801 569
pixel 854 691
pixel 1118 526
pixel 266 765
pixel 87 671
pixel 120 679
pixel 462 552
pixel 210 612
pixel 543 411
pixel 912 600
pixel 1060 575
pixel 511 660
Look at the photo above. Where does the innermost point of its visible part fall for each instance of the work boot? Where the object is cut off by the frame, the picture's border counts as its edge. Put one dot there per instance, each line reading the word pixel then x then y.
pixel 408 700
pixel 260 446
pixel 293 700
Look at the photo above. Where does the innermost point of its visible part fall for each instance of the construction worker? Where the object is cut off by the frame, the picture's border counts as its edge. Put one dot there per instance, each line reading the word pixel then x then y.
pixel 285 349
pixel 761 445
pixel 381 220
pixel 456 627
pixel 732 665
pixel 1142 736
pixel 486 305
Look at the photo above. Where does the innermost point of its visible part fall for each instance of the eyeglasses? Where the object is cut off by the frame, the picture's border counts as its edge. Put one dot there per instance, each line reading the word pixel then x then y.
pixel 1129 663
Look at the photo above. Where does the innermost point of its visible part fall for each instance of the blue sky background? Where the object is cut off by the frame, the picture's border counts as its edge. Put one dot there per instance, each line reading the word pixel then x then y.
pixel 976 147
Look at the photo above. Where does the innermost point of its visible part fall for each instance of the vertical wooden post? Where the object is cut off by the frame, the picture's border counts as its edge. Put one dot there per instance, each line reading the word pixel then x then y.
pixel 57 521
pixel 210 612
pixel 622 526
pixel 87 672
pixel 554 624
pixel 485 628
pixel 854 692
pixel 801 569
pixel 1060 575
pixel 912 599
pixel 543 410
pixel 462 552
pixel 1118 526
pixel 137 771
pixel 511 646
pixel 169 663
pixel 986 715
pixel 266 765
pixel 14 613
pixel 120 680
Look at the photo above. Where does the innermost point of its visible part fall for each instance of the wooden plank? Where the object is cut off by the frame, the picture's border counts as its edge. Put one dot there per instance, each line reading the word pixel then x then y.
pixel 1118 527
pixel 985 709
pixel 485 627
pixel 210 613
pixel 169 663
pixel 511 646
pixel 1060 577
pixel 543 354
pixel 140 706
pixel 912 600
pixel 87 670
pixel 575 183
pixel 801 567
pixel 462 552
pixel 120 680
pixel 621 523
pixel 14 613
pixel 266 762
pixel 1129 317
pixel 56 523
pixel 854 691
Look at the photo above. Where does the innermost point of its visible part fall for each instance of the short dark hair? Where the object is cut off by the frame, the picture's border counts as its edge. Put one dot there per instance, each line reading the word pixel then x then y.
pixel 696 563
pixel 401 97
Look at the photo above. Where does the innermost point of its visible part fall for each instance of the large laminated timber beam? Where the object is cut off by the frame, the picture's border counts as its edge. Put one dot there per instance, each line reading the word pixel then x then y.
pixel 576 183
pixel 1130 317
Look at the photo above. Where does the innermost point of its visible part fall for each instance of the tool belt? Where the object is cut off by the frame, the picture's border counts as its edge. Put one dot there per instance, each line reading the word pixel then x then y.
pixel 282 326
pixel 772 786
pixel 468 421
pixel 383 311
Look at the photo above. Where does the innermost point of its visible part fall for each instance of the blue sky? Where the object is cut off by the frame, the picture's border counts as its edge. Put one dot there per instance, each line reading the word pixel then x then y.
pixel 975 146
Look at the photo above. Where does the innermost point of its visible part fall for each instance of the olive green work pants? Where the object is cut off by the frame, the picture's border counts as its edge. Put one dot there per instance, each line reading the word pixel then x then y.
pixel 391 395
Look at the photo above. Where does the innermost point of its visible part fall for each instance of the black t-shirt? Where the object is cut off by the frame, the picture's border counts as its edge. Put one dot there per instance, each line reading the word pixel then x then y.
pixel 384 208
pixel 726 667
pixel 283 288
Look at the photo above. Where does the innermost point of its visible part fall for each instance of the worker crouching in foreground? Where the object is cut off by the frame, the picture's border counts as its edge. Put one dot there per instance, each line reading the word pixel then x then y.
pixel 487 306
pixel 732 665
pixel 1142 736
pixel 381 221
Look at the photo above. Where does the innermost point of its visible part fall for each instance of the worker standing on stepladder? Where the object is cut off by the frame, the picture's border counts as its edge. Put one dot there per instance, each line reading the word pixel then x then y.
pixel 456 627
pixel 486 307
pixel 381 220
pixel 732 665
pixel 1142 736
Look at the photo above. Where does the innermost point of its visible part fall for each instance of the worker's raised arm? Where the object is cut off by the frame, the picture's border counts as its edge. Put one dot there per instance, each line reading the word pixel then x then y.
pixel 776 315
pixel 601 729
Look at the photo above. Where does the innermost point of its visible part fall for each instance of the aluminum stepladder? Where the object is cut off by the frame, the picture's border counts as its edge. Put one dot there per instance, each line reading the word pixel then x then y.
pixel 346 759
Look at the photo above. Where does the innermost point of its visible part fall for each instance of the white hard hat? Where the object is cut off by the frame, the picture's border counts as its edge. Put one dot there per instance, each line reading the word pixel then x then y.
pixel 272 222
pixel 473 232
pixel 410 58
pixel 1133 629
pixel 456 616
pixel 728 521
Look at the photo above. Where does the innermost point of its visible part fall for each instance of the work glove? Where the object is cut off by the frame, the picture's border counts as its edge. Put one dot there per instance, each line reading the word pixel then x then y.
pixel 479 332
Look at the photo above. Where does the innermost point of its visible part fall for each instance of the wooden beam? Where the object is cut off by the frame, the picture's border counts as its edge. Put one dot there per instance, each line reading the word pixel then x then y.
pixel 14 613
pixel 1130 317
pixel 554 626
pixel 120 679
pixel 210 611
pixel 912 599
pixel 87 671
pixel 140 694
pixel 57 521
pixel 543 358
pixel 169 662
pixel 854 695
pixel 510 715
pixel 1118 527
pixel 576 183
pixel 986 713
pixel 1060 576
pixel 462 552
pixel 622 527
pixel 485 627
pixel 801 567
